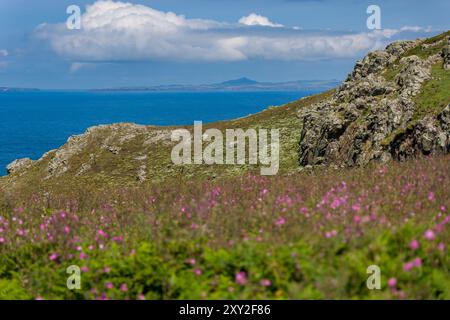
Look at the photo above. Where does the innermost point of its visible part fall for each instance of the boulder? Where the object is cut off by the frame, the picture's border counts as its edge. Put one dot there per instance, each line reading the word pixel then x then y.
pixel 446 56
pixel 18 165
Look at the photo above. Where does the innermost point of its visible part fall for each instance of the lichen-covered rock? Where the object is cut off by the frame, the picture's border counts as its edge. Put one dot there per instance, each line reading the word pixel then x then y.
pixel 429 136
pixel 371 63
pixel 371 116
pixel 413 74
pixel 108 137
pixel 397 48
pixel 446 56
pixel 18 165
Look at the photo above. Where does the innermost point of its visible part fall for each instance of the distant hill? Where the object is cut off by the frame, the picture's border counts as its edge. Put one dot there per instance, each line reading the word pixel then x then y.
pixel 242 84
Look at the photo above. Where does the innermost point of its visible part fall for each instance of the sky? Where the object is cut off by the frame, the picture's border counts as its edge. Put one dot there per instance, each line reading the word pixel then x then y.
pixel 139 42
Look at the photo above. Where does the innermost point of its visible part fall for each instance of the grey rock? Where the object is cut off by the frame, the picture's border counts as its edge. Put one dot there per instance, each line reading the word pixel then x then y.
pixel 370 118
pixel 446 56
pixel 18 165
pixel 397 48
pixel 414 72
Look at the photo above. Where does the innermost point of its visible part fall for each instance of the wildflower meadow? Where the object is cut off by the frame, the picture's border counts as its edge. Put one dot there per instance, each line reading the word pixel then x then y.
pixel 302 235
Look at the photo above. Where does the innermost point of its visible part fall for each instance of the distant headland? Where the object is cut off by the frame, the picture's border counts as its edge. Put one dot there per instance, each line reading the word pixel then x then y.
pixel 242 84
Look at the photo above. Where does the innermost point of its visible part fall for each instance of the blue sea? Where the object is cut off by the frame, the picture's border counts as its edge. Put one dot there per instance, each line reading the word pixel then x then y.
pixel 34 122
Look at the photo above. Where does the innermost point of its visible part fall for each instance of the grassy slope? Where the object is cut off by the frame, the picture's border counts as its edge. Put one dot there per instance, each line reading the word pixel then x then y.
pixel 110 169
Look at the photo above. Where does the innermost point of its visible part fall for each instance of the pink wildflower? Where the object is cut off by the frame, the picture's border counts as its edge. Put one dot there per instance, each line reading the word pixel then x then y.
pixel 53 256
pixel 102 233
pixel 123 287
pixel 414 245
pixel 408 266
pixel 265 282
pixel 241 278
pixel 330 234
pixel 197 272
pixel 109 285
pixel 141 296
pixel 392 282
pixel 429 235
pixel 417 262
pixel 281 221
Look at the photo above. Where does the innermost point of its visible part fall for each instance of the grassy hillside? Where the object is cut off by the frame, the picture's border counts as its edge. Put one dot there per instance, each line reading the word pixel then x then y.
pixel 121 169
pixel 112 203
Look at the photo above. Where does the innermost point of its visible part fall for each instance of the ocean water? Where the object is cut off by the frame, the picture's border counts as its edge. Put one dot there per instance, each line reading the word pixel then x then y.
pixel 34 122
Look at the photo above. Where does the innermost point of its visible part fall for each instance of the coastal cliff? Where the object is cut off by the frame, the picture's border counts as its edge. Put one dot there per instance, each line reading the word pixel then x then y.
pixel 394 105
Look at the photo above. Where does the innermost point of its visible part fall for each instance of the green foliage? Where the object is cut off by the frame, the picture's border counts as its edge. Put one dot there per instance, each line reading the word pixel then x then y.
pixel 432 46
pixel 435 94
pixel 11 289
pixel 329 269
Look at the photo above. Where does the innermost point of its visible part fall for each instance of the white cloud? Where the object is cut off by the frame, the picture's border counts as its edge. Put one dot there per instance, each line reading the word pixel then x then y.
pixel 4 53
pixel 117 31
pixel 254 19
pixel 416 29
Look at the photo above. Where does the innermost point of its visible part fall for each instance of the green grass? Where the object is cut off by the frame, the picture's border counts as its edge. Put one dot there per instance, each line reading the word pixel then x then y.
pixel 435 94
pixel 432 99
pixel 120 170
pixel 431 50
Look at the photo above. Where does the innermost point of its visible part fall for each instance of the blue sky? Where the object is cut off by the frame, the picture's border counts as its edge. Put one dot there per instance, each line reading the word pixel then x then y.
pixel 200 41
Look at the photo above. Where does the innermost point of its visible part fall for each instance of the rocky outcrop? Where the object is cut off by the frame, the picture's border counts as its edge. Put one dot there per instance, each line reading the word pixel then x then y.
pixel 428 136
pixel 414 72
pixel 373 115
pixel 446 56
pixel 91 144
pixel 110 138
pixel 18 165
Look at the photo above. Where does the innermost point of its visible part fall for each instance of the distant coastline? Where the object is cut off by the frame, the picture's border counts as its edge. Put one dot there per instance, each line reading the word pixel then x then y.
pixel 13 89
pixel 237 85
pixel 242 84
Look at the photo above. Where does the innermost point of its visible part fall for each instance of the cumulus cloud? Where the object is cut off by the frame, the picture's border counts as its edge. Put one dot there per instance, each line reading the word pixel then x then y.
pixel 4 53
pixel 254 19
pixel 118 31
